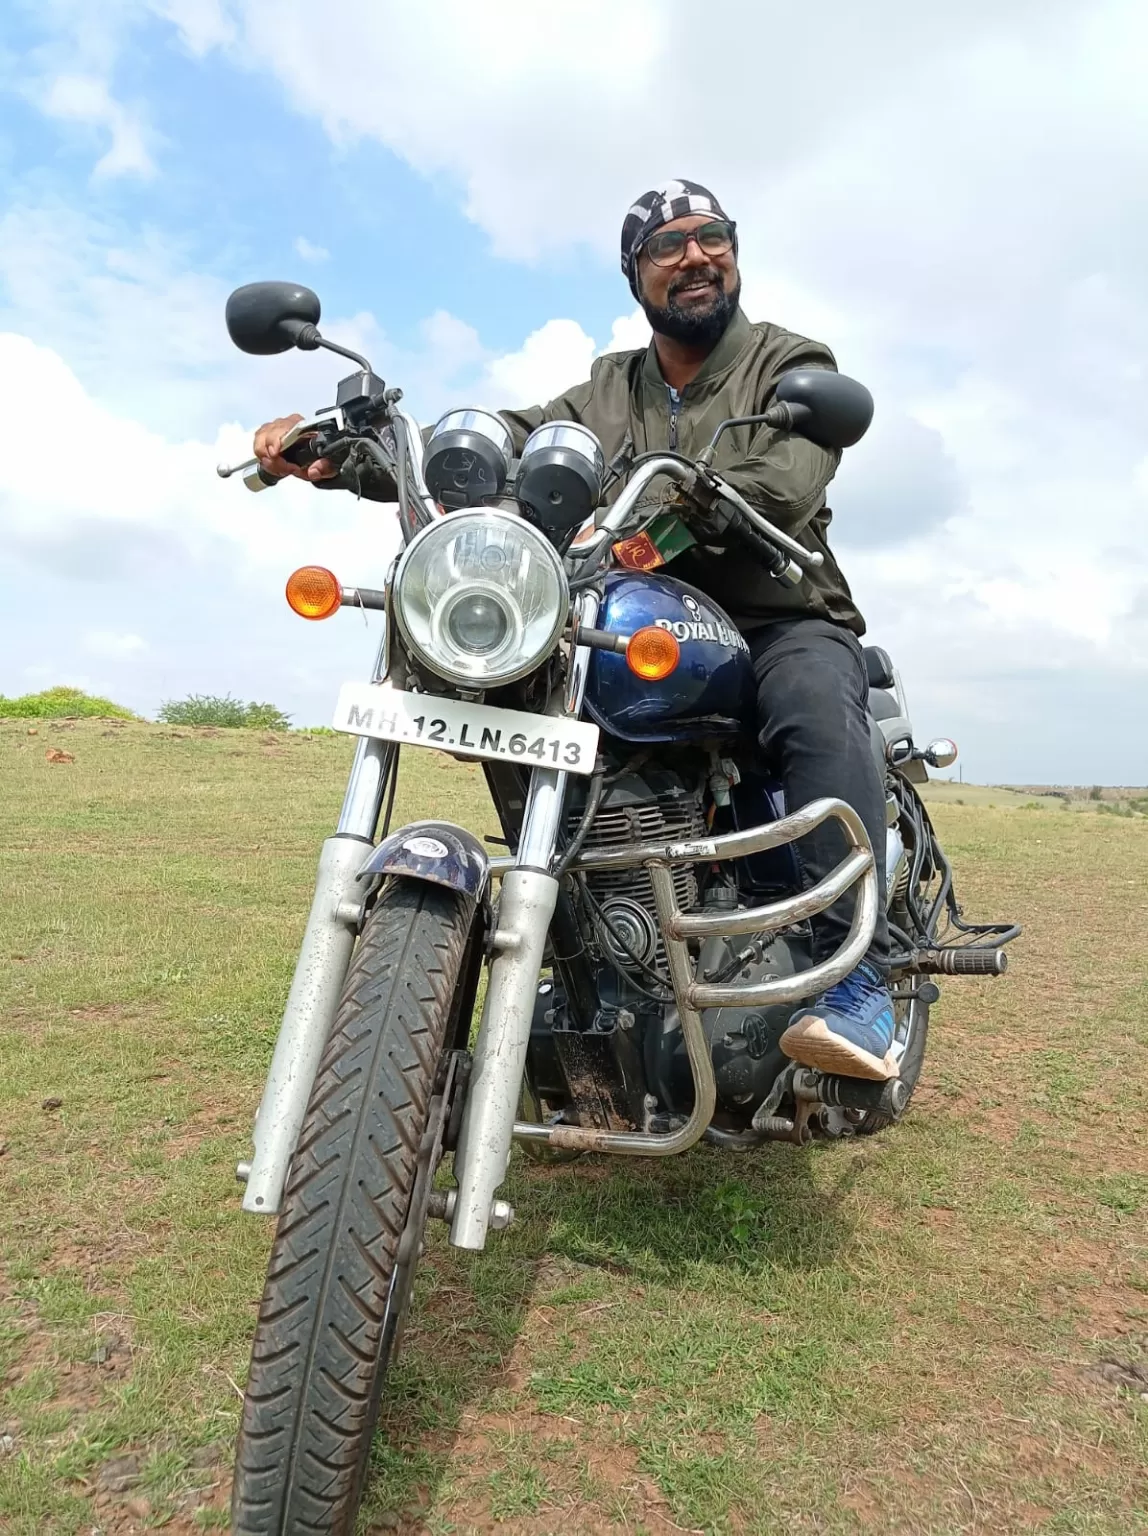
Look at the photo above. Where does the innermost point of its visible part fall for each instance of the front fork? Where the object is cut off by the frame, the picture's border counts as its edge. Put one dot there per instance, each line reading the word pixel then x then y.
pixel 526 905
pixel 329 938
pixel 528 898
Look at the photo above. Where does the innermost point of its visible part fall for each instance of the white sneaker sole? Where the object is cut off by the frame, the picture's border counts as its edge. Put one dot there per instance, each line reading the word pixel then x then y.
pixel 809 1042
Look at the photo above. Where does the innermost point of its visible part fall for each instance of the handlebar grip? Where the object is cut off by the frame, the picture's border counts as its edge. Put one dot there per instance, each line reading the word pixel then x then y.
pixel 258 479
pixel 775 560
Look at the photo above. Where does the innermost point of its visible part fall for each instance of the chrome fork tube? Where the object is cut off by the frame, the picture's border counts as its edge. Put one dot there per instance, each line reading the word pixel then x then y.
pixel 525 908
pixel 526 905
pixel 317 985
pixel 370 768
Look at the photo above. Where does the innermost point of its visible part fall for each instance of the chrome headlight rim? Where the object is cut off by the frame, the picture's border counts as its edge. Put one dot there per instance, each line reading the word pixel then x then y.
pixel 448 525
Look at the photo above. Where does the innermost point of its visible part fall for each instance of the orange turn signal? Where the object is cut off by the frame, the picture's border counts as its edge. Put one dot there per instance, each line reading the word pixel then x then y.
pixel 313 592
pixel 652 653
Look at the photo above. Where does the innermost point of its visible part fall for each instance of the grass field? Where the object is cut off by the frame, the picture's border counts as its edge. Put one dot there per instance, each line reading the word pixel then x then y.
pixel 943 1330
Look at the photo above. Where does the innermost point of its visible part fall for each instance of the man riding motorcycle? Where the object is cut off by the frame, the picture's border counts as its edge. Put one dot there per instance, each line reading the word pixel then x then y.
pixel 706 363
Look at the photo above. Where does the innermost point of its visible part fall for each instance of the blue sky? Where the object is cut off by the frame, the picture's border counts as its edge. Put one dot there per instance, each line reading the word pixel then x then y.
pixel 240 178
pixel 947 206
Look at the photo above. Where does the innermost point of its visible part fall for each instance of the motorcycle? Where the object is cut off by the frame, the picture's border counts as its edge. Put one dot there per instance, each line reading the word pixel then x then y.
pixel 645 937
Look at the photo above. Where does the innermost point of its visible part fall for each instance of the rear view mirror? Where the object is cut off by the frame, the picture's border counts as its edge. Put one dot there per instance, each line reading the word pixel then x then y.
pixel 264 318
pixel 828 408
pixel 941 753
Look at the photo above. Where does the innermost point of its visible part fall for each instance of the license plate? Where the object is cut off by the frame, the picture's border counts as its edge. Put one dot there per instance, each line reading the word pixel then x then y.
pixel 471 730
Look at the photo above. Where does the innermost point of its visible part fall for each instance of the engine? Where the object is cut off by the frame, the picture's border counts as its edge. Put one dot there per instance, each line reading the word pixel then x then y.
pixel 652 806
pixel 655 804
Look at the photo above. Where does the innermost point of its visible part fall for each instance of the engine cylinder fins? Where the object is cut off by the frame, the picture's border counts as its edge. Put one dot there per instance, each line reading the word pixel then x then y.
pixel 627 895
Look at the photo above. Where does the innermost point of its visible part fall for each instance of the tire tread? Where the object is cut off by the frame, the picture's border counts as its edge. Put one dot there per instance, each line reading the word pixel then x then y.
pixel 308 1413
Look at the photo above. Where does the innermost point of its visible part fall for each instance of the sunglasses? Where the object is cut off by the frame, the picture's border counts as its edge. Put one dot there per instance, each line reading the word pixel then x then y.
pixel 668 246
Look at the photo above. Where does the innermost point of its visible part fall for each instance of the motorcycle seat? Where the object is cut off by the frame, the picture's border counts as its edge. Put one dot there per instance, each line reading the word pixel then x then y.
pixel 883 703
pixel 878 667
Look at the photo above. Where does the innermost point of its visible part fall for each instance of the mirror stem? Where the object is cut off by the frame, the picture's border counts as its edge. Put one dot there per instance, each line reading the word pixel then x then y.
pixel 307 339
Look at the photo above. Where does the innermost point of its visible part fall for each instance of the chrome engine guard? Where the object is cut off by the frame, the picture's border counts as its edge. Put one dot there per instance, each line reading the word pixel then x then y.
pixel 691 995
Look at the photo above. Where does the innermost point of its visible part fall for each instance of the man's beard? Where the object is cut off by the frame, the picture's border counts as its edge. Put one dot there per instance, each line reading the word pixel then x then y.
pixel 694 327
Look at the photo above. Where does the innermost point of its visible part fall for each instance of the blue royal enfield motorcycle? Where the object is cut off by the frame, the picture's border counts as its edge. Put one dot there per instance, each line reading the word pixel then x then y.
pixel 645 937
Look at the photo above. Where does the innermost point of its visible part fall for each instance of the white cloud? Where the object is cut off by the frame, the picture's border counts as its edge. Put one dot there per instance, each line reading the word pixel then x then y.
pixel 629 332
pixel 203 24
pixel 553 358
pixel 106 642
pixel 170 508
pixel 550 359
pixel 944 200
pixel 135 323
pixel 86 99
pixel 309 252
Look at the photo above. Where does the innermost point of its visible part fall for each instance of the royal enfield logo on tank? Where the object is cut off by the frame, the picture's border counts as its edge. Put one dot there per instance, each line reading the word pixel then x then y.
pixel 697 628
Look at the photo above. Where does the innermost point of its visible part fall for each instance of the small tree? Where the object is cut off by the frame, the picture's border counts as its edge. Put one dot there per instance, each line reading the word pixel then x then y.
pixel 1096 793
pixel 210 709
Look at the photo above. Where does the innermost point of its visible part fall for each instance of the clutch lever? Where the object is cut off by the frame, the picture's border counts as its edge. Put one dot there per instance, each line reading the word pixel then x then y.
pixel 804 559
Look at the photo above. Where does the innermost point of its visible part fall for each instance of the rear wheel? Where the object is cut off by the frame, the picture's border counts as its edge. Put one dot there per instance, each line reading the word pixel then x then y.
pixel 331 1306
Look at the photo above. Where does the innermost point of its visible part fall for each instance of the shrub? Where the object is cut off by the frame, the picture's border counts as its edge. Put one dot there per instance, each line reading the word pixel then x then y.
pixel 1096 793
pixel 58 703
pixel 207 709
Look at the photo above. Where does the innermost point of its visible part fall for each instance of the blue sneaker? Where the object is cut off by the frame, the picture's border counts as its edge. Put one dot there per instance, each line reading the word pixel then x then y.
pixel 848 1030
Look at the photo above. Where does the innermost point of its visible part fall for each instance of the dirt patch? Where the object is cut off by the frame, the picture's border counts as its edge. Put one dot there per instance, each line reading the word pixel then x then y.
pixel 609 1468
pixel 202 1126
pixel 81 1384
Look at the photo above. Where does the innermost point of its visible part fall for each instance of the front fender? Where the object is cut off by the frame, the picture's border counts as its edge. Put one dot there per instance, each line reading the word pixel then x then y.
pixel 436 852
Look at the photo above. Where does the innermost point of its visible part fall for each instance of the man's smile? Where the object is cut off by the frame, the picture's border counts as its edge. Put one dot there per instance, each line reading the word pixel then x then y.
pixel 695 288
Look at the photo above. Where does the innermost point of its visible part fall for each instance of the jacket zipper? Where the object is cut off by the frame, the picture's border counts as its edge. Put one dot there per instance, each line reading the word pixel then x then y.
pixel 675 405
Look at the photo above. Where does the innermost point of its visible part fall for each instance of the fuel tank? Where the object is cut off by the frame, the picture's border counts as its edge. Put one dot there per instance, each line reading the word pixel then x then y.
pixel 711 692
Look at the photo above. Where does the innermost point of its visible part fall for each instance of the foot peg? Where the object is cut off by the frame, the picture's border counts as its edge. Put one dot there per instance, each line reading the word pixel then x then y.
pixel 883 1098
pixel 965 961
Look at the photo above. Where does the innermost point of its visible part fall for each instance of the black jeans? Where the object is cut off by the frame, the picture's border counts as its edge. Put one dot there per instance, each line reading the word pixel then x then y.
pixel 813 725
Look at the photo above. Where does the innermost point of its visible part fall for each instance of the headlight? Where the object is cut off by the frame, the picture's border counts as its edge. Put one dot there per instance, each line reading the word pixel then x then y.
pixel 481 597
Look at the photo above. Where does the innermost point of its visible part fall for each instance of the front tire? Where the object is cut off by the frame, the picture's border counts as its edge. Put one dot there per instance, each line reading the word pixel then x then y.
pixel 324 1338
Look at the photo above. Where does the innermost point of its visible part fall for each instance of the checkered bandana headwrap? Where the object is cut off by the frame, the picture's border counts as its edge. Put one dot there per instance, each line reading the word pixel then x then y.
pixel 661 206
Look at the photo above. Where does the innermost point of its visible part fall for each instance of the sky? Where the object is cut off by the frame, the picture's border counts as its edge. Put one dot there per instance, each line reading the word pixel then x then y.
pixel 951 197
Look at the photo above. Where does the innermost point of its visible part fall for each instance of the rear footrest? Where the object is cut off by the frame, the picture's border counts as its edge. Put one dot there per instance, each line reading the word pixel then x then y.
pixel 882 1098
pixel 967 961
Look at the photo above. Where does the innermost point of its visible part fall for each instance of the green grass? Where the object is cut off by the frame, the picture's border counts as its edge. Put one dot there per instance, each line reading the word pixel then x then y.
pixel 890 1336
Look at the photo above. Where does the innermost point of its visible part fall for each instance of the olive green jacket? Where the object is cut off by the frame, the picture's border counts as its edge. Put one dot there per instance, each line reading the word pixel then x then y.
pixel 629 408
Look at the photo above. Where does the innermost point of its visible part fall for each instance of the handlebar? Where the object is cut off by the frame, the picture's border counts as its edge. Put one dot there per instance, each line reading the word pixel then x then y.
pixel 326 437
pixel 806 559
pixel 615 519
pixel 786 560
